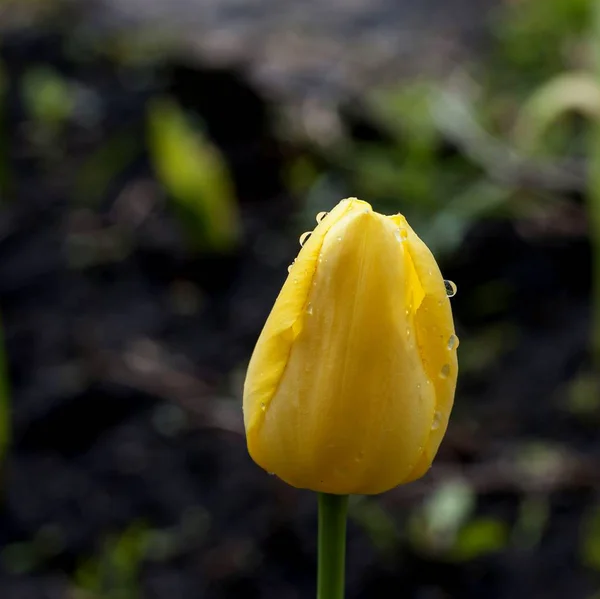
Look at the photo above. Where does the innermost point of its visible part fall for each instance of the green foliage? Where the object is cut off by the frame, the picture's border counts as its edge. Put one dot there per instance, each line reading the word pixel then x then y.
pixel 534 513
pixel 101 168
pixel 48 97
pixel 535 36
pixel 115 573
pixel 195 176
pixel 376 522
pixel 436 526
pixel 590 539
pixel 479 537
pixel 564 94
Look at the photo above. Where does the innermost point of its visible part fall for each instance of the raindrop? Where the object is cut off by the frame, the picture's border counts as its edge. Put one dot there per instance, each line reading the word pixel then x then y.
pixel 453 342
pixel 437 420
pixel 290 267
pixel 304 237
pixel 451 288
pixel 401 234
pixel 263 407
pixel 321 216
pixel 445 371
pixel 339 238
pixel 408 331
pixel 309 309
pixel 295 281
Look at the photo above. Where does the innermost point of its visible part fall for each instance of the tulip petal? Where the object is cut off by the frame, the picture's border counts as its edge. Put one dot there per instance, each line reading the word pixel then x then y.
pixel 434 328
pixel 284 324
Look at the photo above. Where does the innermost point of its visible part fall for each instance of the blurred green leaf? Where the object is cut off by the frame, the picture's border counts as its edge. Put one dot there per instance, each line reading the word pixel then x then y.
pixel 115 573
pixel 540 460
pixel 590 538
pixel 566 93
pixel 19 558
pixel 481 350
pixel 583 396
pixel 534 36
pixel 376 522
pixel 301 174
pixel 448 226
pixel 479 537
pixel 534 512
pixel 48 96
pixel 434 527
pixel 103 166
pixel 195 175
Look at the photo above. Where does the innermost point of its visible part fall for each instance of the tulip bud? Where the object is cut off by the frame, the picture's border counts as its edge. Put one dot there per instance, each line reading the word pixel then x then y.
pixel 352 380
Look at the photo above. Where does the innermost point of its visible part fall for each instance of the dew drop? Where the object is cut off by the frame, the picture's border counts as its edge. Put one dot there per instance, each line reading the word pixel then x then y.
pixel 339 238
pixel 309 309
pixel 290 267
pixel 437 420
pixel 304 237
pixel 263 407
pixel 401 234
pixel 453 342
pixel 295 281
pixel 451 288
pixel 321 216
pixel 445 371
pixel 408 331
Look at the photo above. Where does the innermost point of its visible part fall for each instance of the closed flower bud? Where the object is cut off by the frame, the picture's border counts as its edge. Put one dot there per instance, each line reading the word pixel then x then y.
pixel 352 380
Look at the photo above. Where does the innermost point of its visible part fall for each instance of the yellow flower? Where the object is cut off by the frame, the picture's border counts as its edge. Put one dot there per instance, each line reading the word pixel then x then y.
pixel 352 380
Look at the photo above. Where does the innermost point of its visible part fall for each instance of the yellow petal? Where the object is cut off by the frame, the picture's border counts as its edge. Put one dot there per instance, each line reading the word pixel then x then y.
pixel 343 387
pixel 436 339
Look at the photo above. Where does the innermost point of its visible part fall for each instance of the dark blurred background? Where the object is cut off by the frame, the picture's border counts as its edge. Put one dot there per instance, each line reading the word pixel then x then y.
pixel 159 160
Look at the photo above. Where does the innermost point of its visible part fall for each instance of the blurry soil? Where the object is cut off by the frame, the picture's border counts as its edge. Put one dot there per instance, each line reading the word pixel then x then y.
pixel 127 352
pixel 320 50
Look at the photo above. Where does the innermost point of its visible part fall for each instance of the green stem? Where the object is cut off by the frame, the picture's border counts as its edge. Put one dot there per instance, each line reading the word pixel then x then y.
pixel 332 546
pixel 594 194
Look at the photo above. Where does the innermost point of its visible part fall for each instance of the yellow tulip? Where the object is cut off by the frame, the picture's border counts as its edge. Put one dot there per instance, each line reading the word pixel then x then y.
pixel 352 380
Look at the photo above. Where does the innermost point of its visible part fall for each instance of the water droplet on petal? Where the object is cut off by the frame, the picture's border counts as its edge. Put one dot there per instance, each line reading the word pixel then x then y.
pixel 453 342
pixel 401 234
pixel 437 420
pixel 408 331
pixel 290 267
pixel 295 281
pixel 445 371
pixel 451 288
pixel 321 216
pixel 339 238
pixel 263 407
pixel 304 237
pixel 309 309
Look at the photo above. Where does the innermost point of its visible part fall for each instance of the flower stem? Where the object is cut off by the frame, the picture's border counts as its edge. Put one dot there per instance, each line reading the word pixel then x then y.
pixel 332 546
